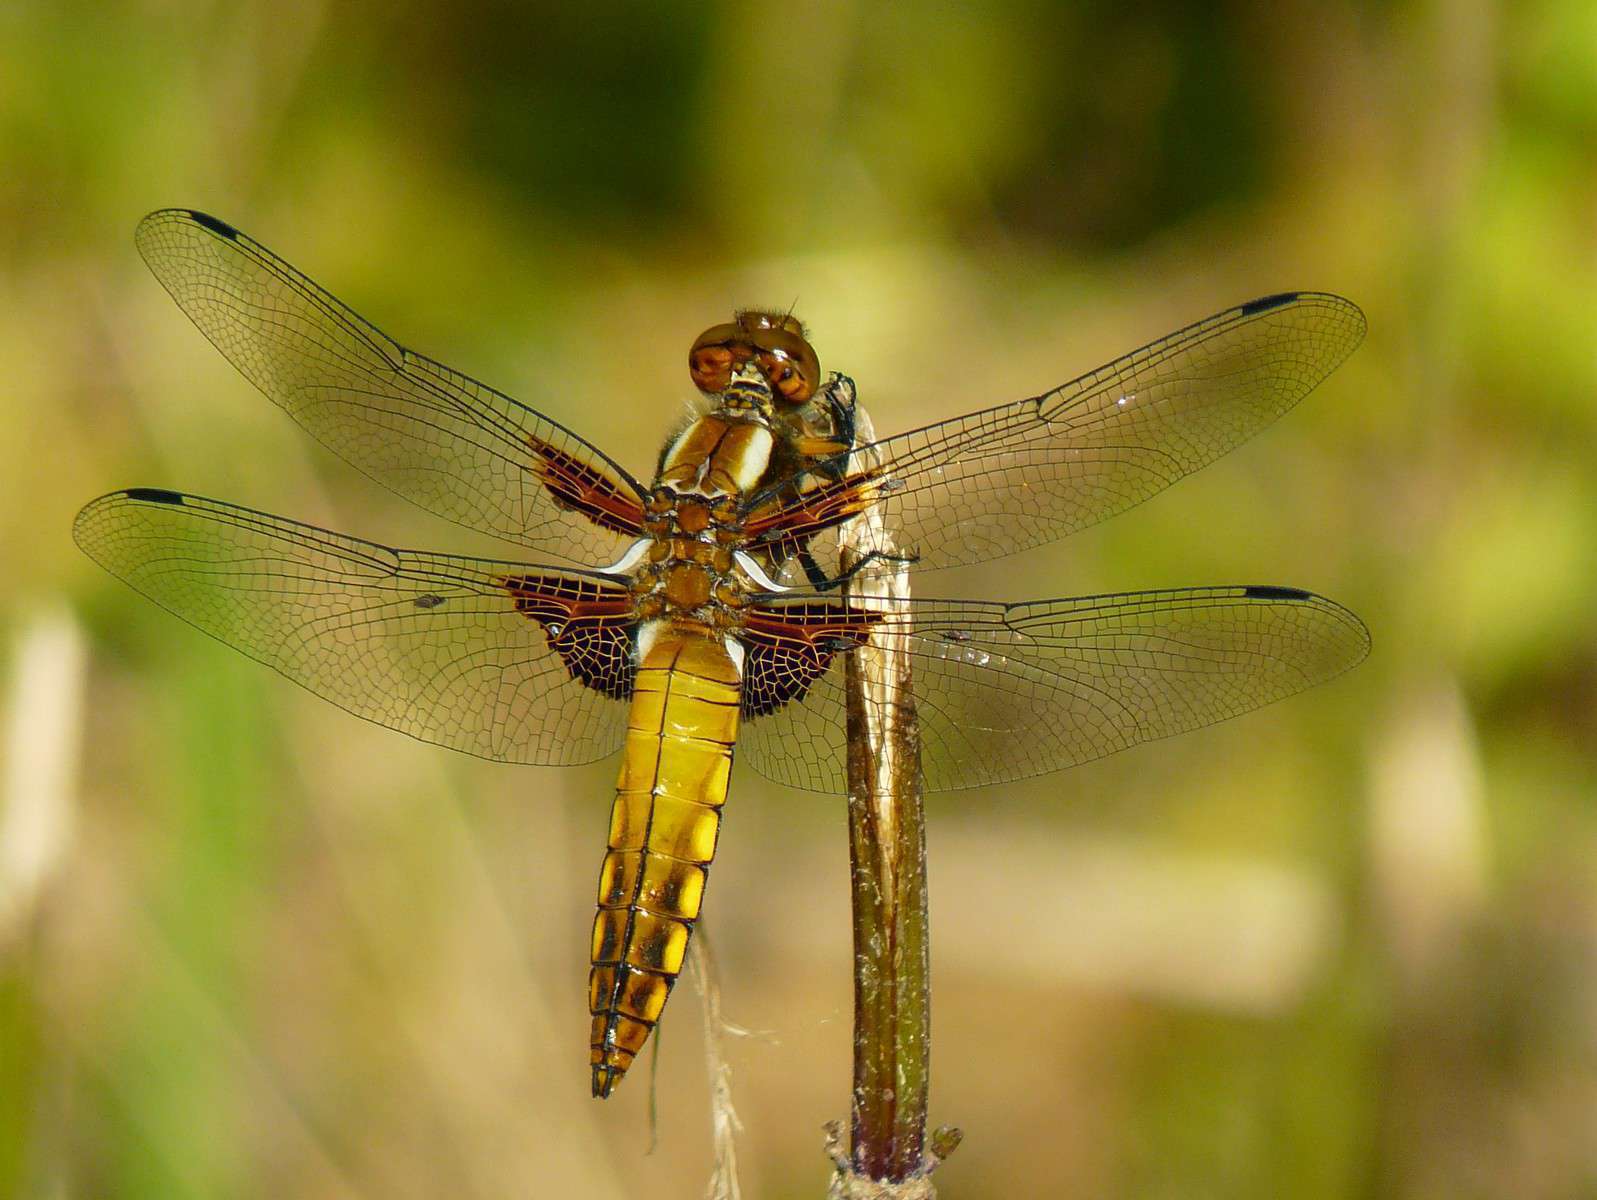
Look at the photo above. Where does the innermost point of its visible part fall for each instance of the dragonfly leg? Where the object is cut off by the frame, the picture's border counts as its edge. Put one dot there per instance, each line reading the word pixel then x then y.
pixel 822 583
pixel 812 570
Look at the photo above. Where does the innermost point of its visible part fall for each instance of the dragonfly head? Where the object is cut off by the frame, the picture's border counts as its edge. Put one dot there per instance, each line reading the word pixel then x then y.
pixel 772 343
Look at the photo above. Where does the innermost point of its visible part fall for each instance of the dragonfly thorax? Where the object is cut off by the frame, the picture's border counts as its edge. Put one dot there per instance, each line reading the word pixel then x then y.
pixel 721 456
pixel 690 566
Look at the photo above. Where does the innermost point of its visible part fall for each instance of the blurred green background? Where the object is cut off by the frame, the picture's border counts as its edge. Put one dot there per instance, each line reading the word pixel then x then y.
pixel 1347 946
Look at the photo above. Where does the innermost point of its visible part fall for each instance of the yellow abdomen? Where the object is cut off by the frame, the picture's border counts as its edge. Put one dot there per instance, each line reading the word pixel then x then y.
pixel 663 830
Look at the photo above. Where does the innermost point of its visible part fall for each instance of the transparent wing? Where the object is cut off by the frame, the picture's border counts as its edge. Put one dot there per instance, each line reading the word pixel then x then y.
pixel 439 438
pixel 501 660
pixel 1004 479
pixel 1007 691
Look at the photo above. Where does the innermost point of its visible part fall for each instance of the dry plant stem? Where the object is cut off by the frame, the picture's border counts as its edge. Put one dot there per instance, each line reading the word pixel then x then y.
pixel 887 855
pixel 887 851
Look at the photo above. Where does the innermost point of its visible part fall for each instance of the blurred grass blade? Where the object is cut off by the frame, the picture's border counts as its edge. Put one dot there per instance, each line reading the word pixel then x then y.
pixel 43 733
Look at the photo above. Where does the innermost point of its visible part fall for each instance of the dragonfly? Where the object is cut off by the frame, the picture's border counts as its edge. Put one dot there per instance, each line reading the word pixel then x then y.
pixel 711 607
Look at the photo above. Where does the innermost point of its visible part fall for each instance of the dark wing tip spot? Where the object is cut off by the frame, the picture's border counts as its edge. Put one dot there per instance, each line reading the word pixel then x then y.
pixel 1266 303
pixel 154 495
pixel 1270 592
pixel 218 227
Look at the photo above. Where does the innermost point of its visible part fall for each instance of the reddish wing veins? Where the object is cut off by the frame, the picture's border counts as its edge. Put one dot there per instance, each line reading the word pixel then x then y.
pixel 590 623
pixel 789 645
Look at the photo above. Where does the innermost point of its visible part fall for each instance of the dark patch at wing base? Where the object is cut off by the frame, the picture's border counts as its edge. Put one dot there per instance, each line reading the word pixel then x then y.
pixel 783 528
pixel 589 625
pixel 790 646
pixel 578 486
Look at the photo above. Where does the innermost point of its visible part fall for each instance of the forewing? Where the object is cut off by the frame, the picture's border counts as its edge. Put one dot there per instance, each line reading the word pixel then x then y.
pixel 439 438
pixel 1007 691
pixel 505 661
pixel 1004 479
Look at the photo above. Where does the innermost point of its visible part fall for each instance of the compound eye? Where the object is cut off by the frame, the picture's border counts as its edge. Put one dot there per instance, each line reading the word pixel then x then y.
pixel 786 378
pixel 711 368
pixel 714 354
